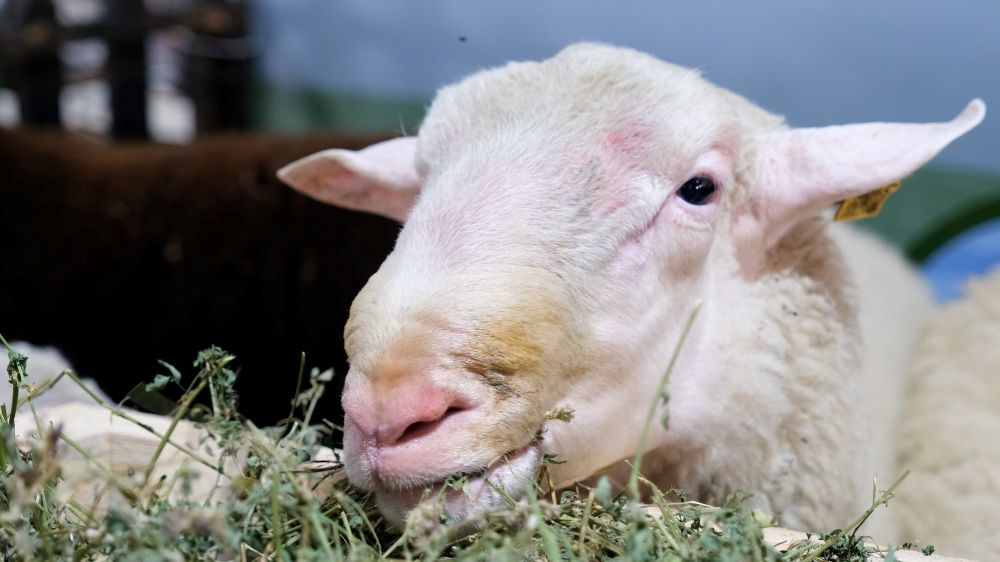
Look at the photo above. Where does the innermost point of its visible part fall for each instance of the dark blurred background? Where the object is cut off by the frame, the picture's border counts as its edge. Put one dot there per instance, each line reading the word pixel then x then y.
pixel 156 227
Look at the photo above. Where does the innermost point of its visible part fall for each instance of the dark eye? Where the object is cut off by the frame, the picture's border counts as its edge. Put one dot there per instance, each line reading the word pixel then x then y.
pixel 697 190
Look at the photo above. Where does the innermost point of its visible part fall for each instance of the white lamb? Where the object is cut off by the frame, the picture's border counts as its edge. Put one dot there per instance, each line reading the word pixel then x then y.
pixel 562 219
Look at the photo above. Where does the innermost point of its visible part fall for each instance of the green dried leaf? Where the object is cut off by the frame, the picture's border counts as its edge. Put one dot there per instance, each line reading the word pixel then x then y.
pixel 17 367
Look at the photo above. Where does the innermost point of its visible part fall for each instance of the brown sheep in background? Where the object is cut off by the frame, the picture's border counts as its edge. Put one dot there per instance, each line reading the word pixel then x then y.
pixel 120 255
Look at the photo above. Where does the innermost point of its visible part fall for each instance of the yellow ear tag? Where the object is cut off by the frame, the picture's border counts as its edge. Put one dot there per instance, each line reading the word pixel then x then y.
pixel 864 206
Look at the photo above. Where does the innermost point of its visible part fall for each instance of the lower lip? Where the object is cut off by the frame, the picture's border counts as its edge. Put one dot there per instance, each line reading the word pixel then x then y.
pixel 514 461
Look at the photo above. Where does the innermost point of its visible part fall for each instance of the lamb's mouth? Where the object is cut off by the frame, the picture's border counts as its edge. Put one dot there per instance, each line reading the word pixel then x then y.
pixel 467 493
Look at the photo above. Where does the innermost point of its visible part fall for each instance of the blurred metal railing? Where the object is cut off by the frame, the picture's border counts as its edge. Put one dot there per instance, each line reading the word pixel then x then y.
pixel 218 56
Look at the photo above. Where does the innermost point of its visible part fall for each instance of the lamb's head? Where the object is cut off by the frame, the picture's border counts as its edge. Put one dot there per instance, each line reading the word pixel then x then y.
pixel 561 221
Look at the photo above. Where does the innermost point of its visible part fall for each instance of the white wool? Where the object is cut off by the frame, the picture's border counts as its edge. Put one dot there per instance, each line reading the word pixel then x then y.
pixel 950 433
pixel 894 302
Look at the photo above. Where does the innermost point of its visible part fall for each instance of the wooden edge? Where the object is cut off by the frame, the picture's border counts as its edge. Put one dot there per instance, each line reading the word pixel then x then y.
pixel 781 538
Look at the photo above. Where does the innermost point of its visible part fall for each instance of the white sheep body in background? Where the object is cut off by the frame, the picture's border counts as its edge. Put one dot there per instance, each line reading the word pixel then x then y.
pixel 562 220
pixel 45 364
pixel 950 430
pixel 893 304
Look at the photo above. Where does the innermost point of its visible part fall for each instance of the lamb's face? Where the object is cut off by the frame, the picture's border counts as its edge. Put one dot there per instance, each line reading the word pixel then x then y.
pixel 544 265
pixel 571 214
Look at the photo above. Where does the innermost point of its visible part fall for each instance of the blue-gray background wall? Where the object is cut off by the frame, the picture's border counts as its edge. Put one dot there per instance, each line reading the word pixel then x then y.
pixel 817 62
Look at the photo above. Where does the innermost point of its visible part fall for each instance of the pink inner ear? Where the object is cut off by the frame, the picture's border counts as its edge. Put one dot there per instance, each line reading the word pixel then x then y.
pixel 353 192
pixel 325 178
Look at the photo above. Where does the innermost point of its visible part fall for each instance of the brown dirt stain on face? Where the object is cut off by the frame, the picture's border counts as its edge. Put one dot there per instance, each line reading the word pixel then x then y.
pixel 500 351
pixel 411 355
pixel 517 354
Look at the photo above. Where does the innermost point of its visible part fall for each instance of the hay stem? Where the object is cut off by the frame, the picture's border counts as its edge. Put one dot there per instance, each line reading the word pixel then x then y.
pixel 15 385
pixel 640 450
pixel 185 405
pixel 854 526
pixel 117 411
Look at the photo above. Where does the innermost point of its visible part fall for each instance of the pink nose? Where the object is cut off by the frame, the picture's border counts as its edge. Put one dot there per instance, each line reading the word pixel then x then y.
pixel 406 411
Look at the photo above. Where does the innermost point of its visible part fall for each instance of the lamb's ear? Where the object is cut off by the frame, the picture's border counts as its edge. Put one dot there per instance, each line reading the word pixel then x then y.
pixel 799 172
pixel 380 179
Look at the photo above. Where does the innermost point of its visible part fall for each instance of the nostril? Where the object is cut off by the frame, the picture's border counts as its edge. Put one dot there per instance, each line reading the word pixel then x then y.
pixel 421 428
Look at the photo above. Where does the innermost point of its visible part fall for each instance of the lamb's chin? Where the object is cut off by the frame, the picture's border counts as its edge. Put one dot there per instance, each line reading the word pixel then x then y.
pixel 507 478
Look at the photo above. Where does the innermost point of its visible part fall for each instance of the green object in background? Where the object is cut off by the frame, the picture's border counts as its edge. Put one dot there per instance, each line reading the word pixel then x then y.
pixel 934 205
pixel 298 110
pixel 931 207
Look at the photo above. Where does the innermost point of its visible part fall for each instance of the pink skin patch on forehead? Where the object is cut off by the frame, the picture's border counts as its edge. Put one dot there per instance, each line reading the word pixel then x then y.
pixel 627 140
pixel 621 152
